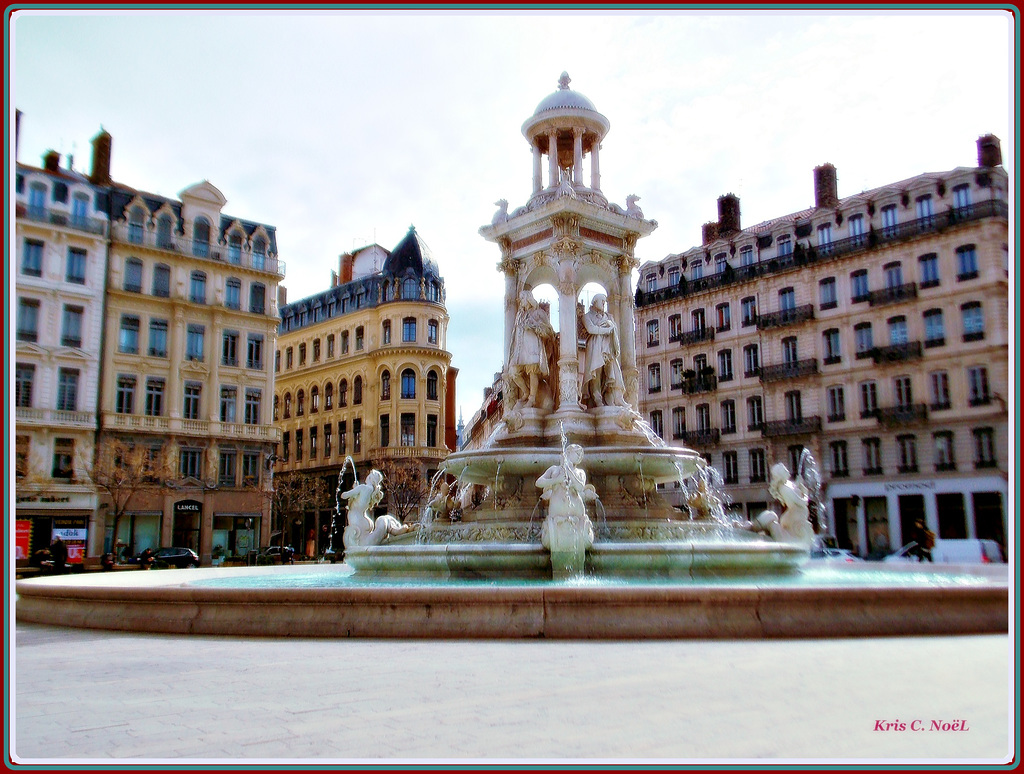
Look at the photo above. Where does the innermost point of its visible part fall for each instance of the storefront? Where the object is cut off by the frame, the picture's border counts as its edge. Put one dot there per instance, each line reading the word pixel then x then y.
pixel 41 518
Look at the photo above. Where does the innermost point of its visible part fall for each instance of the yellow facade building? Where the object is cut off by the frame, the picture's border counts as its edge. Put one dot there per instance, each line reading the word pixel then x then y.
pixel 871 329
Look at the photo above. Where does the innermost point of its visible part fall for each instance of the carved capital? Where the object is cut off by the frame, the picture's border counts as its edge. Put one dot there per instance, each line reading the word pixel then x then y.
pixel 629 242
pixel 566 226
pixel 510 266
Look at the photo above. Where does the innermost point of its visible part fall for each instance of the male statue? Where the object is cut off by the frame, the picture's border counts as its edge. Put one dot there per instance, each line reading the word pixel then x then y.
pixel 602 375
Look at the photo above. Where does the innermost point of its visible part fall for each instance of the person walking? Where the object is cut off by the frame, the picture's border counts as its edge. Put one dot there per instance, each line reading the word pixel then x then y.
pixel 59 555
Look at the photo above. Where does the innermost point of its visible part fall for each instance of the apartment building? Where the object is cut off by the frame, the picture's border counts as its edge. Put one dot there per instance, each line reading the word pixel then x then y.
pixel 362 371
pixel 870 329
pixel 60 255
pixel 191 320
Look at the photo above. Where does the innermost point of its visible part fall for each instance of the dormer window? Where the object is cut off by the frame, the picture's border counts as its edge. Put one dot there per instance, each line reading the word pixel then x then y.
pixel 201 238
pixel 136 218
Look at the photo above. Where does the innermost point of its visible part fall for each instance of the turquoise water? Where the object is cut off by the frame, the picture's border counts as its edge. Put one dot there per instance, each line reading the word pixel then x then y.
pixel 809 577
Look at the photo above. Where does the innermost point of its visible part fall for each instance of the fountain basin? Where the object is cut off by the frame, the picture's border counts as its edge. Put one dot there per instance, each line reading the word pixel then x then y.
pixel 328 601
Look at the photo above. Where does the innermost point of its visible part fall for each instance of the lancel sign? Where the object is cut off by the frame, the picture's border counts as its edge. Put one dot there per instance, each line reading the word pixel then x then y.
pixel 188 506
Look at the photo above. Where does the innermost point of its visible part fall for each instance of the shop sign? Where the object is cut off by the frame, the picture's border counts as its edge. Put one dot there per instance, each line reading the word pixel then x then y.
pixel 22 538
pixel 74 533
pixel 913 486
pixel 188 506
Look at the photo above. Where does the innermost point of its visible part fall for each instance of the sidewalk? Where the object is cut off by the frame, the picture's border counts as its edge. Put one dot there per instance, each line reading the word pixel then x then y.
pixel 88 696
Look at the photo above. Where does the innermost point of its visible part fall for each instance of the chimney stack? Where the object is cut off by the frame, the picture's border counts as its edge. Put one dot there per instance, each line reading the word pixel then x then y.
pixel 826 192
pixel 990 153
pixel 51 161
pixel 728 213
pixel 709 233
pixel 101 145
pixel 345 269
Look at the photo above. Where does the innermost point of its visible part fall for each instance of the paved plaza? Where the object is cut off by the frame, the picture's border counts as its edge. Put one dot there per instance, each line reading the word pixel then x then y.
pixel 91 696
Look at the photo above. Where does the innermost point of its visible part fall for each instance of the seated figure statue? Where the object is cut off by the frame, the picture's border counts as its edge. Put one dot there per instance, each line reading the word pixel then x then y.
pixel 362 529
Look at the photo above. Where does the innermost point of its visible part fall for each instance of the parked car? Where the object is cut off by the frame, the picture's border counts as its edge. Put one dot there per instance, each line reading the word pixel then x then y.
pixel 273 553
pixel 906 553
pixel 835 555
pixel 968 551
pixel 176 557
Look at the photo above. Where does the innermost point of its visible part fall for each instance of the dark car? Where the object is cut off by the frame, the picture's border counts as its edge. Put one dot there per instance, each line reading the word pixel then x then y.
pixel 273 554
pixel 176 557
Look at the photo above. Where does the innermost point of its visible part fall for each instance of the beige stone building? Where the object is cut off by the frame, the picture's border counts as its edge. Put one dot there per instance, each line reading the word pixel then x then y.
pixel 363 371
pixel 60 254
pixel 190 330
pixel 871 329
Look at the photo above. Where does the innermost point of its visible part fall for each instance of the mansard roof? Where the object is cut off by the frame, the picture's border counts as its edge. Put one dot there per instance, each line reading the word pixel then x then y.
pixel 411 253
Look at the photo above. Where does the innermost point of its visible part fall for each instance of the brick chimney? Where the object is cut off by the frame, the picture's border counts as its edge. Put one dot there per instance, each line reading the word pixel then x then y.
pixel 709 233
pixel 345 268
pixel 101 145
pixel 990 153
pixel 826 192
pixel 728 213
pixel 51 161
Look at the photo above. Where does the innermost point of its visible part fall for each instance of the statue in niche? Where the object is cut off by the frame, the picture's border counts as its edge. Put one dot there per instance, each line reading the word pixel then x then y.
pixel 362 528
pixel 532 354
pixel 602 375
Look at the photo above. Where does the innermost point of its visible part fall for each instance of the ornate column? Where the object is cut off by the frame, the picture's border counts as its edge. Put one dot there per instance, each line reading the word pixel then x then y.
pixel 595 167
pixel 538 182
pixel 627 324
pixel 552 158
pixel 568 353
pixel 510 268
pixel 577 155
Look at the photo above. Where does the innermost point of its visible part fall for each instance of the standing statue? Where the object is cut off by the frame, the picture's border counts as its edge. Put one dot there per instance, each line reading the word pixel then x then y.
pixel 602 375
pixel 531 353
pixel 362 530
pixel 567 531
pixel 793 525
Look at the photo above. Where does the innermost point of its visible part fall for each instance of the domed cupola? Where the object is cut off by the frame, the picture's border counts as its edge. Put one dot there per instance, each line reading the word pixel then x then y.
pixel 412 254
pixel 567 127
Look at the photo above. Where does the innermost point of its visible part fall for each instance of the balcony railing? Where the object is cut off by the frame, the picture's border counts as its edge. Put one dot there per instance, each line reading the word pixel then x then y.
pixel 774 373
pixel 56 418
pixel 698 384
pixel 831 251
pixel 707 437
pixel 894 416
pixel 803 426
pixel 897 353
pixel 408 452
pixel 227 254
pixel 175 425
pixel 697 336
pixel 61 218
pixel 797 314
pixel 893 295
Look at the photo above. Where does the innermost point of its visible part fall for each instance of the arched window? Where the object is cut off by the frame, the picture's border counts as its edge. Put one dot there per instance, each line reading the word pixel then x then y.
pixel 408 383
pixel 300 398
pixel 314 399
pixel 287 405
pixel 357 391
pixel 385 332
pixel 342 393
pixel 201 237
pixel 235 248
pixel 410 289
pixel 164 232
pixel 433 292
pixel 259 253
pixel 432 385
pixel 136 220
pixel 328 396
pixel 385 386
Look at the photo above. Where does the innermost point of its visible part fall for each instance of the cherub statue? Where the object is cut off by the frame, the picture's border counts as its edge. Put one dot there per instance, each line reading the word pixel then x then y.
pixel 567 527
pixel 362 529
pixel 793 525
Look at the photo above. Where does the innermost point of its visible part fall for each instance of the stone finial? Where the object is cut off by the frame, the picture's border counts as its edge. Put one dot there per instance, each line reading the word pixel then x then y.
pixel 564 81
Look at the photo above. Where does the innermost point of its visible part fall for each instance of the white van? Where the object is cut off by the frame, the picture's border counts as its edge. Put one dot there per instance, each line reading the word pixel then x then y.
pixel 967 551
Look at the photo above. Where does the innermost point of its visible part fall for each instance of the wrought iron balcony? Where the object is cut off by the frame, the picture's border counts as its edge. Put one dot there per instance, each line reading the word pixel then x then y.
pixel 229 254
pixel 696 336
pixel 896 353
pixel 774 373
pixel 894 416
pixel 797 314
pixel 893 295
pixel 803 426
pixel 698 384
pixel 60 218
pixel 707 437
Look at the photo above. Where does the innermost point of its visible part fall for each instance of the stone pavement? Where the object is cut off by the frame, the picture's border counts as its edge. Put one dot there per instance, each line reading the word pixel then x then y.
pixel 81 696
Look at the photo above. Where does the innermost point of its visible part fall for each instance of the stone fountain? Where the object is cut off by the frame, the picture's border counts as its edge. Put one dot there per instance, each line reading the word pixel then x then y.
pixel 569 481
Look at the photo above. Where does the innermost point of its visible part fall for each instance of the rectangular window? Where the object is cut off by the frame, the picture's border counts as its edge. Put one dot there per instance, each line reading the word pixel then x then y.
pixel 755 413
pixel 227 475
pixel 408 329
pixel 157 338
pixel 408 429
pixel 856 226
pixel 897 330
pixel 961 196
pixel 724 314
pixel 654 377
pixel 67 389
pixel 657 425
pixel 161 281
pixel 794 406
pixel 75 269
pixel 28 319
pixel 197 288
pixel 653 336
pixel 71 327
pixel 193 392
pixel 63 458
pixel 751 361
pixel 725 373
pixel 836 403
pixel 342 437
pixel 190 463
pixel 967 263
pixel 840 463
pixel 385 430
pixel 939 382
pixel 907 447
pixel 154 397
pixel 984 447
pixel 728 416
pixel 357 436
pixel 703 414
pixel 313 443
pixel 868 399
pixel 872 449
pixel 934 329
pixel 32 258
pixel 863 339
pixel 924 208
pixel 787 299
pixel 889 220
pixel 977 386
pixel 233 294
pixel 359 338
pixel 330 345
pixel 746 256
pixel 124 398
pixel 327 441
pixel 676 373
pixel 928 267
pixel 344 342
pixel 25 374
pixel 944 457
pixel 973 321
pixel 253 399
pixel 128 338
pixel 298 445
pixel 902 391
pixel 730 463
pixel 859 286
pixel 825 238
pixel 432 430
pixel 195 346
pixel 678 422
pixel 254 352
pixel 228 400
pixel 827 293
pixel 675 327
pixel 302 354
pixel 789 350
pixel 757 466
pixel 748 308
pixel 257 298
pixel 432 332
pixel 830 341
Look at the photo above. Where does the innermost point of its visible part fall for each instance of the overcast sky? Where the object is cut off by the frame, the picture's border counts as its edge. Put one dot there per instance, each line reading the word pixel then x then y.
pixel 343 128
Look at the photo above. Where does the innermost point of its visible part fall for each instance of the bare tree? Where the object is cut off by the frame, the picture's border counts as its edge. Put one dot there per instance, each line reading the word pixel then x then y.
pixel 405 487
pixel 122 470
pixel 293 494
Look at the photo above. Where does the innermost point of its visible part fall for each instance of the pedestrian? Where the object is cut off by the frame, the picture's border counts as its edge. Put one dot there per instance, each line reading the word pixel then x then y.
pixel 146 559
pixel 925 541
pixel 59 555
